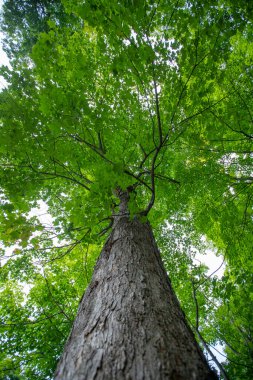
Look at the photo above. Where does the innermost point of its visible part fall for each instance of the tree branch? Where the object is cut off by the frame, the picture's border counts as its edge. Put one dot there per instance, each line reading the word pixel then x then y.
pixel 196 328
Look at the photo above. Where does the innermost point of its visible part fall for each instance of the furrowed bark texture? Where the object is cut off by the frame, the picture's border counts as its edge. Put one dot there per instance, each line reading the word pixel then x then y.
pixel 129 323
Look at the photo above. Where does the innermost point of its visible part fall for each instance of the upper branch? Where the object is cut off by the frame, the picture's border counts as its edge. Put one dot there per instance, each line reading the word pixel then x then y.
pixel 158 114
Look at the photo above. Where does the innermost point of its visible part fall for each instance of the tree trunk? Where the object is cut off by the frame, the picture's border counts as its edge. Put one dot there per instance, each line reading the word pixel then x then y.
pixel 129 323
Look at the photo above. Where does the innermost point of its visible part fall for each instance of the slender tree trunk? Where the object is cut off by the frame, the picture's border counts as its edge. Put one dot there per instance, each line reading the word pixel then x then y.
pixel 129 323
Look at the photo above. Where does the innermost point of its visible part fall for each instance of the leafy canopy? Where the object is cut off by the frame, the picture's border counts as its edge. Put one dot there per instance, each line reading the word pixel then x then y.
pixel 152 96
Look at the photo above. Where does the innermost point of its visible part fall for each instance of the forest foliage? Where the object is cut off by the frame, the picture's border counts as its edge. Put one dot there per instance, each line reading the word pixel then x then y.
pixel 152 95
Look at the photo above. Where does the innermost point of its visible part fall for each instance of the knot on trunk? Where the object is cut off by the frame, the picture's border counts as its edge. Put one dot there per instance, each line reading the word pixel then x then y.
pixel 124 197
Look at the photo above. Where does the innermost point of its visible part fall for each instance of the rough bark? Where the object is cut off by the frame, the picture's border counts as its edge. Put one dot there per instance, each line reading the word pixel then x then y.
pixel 129 323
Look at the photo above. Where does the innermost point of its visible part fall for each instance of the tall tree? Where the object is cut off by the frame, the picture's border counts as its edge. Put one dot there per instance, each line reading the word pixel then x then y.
pixel 152 99
pixel 129 323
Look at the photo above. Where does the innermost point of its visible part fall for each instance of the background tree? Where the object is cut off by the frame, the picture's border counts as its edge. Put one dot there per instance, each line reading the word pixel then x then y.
pixel 152 95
